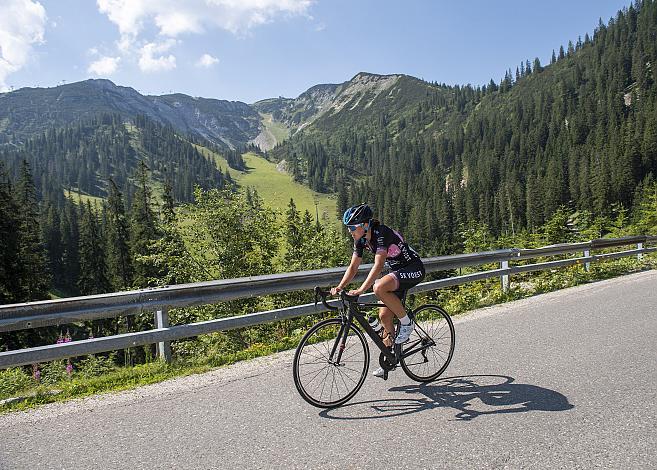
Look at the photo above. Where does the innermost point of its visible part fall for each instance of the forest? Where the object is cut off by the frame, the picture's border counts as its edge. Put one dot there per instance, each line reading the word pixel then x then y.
pixel 578 134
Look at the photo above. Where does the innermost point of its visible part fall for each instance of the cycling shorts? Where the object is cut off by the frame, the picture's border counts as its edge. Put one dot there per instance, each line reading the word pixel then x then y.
pixel 407 277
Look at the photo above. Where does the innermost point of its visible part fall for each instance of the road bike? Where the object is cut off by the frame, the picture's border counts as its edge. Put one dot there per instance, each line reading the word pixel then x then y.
pixel 333 357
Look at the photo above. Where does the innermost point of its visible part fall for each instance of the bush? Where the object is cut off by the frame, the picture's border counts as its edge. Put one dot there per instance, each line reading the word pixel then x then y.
pixel 13 381
pixel 53 372
pixel 94 366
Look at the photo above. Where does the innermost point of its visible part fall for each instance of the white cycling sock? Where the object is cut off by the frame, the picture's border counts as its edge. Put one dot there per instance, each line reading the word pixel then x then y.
pixel 405 320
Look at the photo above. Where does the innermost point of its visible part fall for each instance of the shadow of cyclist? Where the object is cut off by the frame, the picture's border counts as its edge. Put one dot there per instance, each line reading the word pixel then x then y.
pixel 470 396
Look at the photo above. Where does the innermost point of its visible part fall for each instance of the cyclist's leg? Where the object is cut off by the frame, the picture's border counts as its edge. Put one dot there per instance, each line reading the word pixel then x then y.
pixel 385 289
pixel 386 316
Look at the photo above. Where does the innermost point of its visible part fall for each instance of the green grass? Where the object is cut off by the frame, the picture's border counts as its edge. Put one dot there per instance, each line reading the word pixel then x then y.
pixel 120 378
pixel 277 129
pixel 275 187
pixel 76 197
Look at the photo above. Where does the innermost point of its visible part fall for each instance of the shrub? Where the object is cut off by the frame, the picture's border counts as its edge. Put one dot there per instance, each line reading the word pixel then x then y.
pixel 94 366
pixel 13 381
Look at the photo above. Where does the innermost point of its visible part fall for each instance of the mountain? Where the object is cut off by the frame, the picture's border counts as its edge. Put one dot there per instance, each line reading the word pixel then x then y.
pixel 228 124
pixel 29 111
pixel 327 107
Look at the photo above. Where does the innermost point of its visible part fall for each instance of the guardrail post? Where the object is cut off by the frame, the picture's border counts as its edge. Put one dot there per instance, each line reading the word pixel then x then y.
pixel 505 277
pixel 640 255
pixel 164 347
pixel 587 265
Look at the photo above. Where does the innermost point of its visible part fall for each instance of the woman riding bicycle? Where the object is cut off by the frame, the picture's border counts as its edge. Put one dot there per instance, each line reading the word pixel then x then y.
pixel 389 248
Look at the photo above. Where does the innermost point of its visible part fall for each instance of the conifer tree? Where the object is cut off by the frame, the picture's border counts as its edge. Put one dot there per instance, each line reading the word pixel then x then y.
pixel 70 263
pixel 119 260
pixel 33 271
pixel 143 228
pixel 9 242
pixel 93 268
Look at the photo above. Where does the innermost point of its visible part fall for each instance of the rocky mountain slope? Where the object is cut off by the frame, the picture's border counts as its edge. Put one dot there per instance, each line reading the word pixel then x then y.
pixel 228 124
pixel 29 111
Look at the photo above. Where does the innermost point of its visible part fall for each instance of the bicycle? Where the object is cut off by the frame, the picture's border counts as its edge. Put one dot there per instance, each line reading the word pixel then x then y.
pixel 336 351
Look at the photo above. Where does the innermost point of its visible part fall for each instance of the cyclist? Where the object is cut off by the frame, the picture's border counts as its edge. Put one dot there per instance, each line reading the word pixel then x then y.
pixel 389 248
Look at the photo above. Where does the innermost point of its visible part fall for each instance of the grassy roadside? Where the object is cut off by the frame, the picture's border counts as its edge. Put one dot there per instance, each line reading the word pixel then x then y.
pixel 457 300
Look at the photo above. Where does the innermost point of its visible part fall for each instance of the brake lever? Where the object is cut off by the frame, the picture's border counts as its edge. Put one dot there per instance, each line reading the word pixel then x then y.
pixel 317 290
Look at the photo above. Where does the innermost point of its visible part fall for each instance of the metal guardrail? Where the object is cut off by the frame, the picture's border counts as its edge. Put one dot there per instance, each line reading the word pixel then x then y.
pixel 70 310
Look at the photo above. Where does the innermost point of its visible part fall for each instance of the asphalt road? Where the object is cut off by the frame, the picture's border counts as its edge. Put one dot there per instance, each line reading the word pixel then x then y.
pixel 561 380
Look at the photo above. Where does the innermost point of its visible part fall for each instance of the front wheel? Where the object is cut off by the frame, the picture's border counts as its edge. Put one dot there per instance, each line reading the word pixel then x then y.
pixel 429 350
pixel 320 379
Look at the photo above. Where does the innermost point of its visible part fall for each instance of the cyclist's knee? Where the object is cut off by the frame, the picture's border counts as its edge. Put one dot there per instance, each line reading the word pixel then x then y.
pixel 380 288
pixel 377 287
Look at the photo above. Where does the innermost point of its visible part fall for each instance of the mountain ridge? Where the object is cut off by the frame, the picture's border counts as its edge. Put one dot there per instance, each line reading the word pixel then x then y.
pixel 28 111
pixel 227 124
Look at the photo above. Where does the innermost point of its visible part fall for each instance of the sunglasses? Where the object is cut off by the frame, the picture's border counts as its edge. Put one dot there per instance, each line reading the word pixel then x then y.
pixel 352 228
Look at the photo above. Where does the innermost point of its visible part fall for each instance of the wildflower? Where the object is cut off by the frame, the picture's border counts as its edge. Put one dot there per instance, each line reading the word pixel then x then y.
pixel 69 368
pixel 36 373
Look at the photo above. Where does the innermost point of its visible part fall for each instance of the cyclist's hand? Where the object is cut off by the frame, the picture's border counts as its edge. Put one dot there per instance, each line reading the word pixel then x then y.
pixel 355 293
pixel 336 290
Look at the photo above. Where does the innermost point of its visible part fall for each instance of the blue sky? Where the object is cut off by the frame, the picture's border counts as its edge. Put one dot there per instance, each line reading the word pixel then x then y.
pixel 249 50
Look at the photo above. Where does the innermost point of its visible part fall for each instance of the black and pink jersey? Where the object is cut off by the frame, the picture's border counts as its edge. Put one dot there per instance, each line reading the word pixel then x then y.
pixel 388 241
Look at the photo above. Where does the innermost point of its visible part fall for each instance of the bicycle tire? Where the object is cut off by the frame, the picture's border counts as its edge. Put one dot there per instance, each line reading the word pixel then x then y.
pixel 432 324
pixel 320 339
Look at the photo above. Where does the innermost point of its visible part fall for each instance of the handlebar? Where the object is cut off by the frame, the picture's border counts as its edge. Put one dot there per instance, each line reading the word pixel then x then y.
pixel 322 294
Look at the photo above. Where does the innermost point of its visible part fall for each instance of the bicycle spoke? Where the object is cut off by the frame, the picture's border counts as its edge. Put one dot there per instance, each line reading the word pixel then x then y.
pixel 346 387
pixel 316 375
pixel 347 375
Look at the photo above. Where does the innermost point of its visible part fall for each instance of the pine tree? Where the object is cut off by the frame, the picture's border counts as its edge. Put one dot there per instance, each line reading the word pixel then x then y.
pixel 119 261
pixel 93 268
pixel 143 228
pixel 33 272
pixel 69 231
pixel 53 243
pixel 9 242
pixel 294 245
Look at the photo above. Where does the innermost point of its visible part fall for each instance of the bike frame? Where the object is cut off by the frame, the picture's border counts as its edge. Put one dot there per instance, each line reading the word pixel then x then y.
pixel 353 312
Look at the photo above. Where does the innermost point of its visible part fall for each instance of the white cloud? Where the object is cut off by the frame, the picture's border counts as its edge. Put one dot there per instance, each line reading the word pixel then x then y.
pixel 174 18
pixel 22 24
pixel 207 61
pixel 148 62
pixel 138 20
pixel 104 66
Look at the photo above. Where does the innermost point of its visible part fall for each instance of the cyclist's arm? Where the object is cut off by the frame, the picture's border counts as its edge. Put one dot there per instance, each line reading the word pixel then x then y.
pixel 351 271
pixel 379 262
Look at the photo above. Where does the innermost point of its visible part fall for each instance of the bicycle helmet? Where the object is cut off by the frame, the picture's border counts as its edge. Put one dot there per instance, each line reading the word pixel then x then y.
pixel 357 215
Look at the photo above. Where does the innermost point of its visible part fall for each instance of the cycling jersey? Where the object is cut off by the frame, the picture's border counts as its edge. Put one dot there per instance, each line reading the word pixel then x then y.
pixel 388 241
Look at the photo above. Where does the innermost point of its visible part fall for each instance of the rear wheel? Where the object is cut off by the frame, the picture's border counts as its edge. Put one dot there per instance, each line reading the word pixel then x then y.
pixel 319 378
pixel 429 350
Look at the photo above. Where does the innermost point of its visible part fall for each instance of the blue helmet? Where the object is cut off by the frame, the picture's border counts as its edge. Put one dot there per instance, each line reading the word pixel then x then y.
pixel 357 215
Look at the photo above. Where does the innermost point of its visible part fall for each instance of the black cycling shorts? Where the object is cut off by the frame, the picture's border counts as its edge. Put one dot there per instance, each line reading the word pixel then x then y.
pixel 407 277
